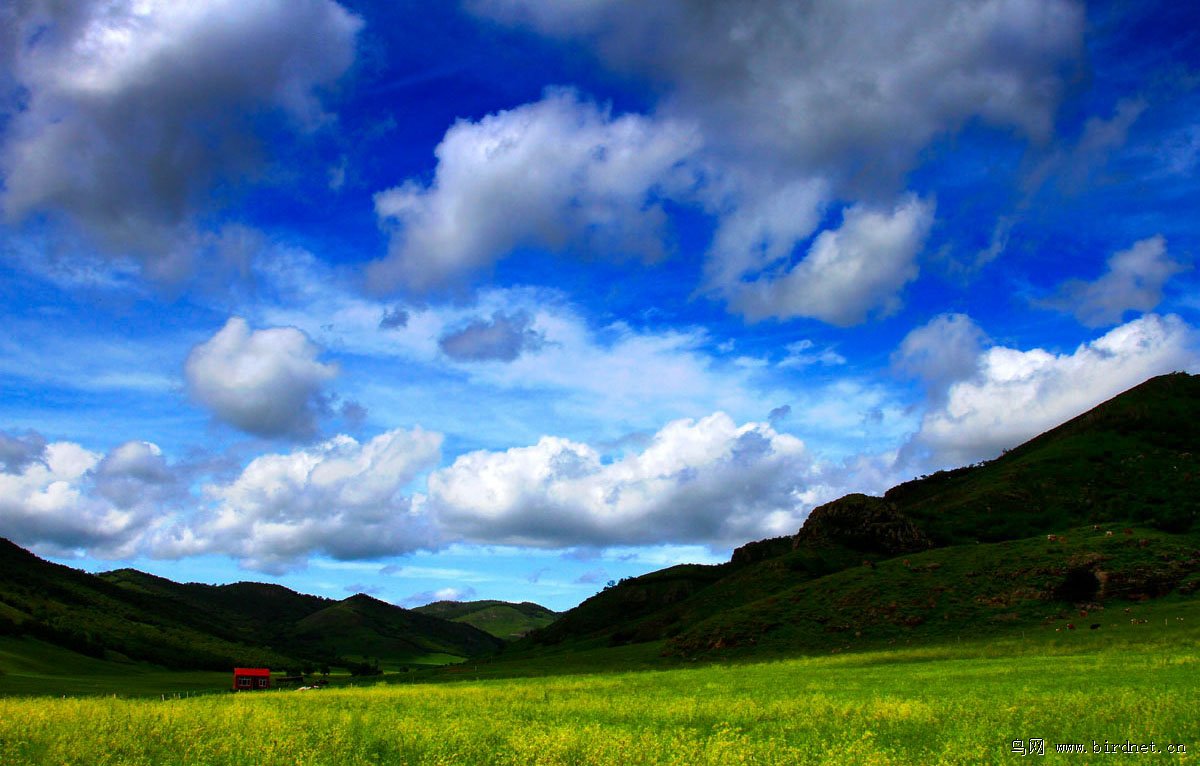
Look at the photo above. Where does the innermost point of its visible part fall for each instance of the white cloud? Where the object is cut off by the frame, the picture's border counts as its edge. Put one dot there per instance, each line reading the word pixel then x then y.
pixel 71 497
pixel 587 381
pixel 829 88
pixel 135 473
pixel 622 377
pixel 1133 281
pixel 790 110
pixel 441 594
pixel 761 222
pixel 708 481
pixel 945 350
pixel 341 498
pixel 848 272
pixel 804 106
pixel 264 382
pixel 804 353
pixel 154 102
pixel 1016 394
pixel 549 174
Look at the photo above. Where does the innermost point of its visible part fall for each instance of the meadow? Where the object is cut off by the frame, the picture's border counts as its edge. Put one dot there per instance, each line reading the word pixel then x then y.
pixel 961 703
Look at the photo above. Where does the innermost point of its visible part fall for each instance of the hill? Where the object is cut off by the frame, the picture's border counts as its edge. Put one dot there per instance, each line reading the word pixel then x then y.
pixel 364 627
pixel 126 615
pixel 953 553
pixel 500 618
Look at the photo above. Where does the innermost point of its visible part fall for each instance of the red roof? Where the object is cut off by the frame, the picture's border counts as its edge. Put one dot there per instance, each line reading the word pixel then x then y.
pixel 252 671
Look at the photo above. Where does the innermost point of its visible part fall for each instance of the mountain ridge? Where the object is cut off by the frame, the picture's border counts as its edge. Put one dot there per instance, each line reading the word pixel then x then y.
pixel 126 614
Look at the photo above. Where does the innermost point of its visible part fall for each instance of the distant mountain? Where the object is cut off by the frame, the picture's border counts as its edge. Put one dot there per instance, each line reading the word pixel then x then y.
pixel 362 626
pixel 127 614
pixel 500 618
pixel 960 550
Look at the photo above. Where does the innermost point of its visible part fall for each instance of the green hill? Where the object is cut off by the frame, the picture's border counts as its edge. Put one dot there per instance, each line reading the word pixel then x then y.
pixel 958 552
pixel 362 627
pixel 128 615
pixel 1018 543
pixel 88 615
pixel 1135 458
pixel 500 618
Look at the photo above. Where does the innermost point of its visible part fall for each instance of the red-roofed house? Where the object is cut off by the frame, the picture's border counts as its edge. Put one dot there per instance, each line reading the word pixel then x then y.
pixel 245 679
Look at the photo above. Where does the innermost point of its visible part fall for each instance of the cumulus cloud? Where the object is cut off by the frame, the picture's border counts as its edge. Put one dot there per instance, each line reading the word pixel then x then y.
pixel 1133 281
pixel 771 113
pixel 1015 395
pixel 70 497
pixel 16 452
pixel 340 497
pixel 550 174
pixel 834 89
pixel 155 103
pixel 804 106
pixel 941 352
pixel 848 272
pixel 135 472
pixel 502 339
pixel 707 481
pixel 264 382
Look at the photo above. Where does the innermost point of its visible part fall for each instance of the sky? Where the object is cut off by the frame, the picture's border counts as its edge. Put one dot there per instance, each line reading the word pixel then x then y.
pixel 512 298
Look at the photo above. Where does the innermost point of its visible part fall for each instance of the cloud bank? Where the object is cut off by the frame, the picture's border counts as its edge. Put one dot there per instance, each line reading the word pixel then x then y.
pixel 341 497
pixel 706 480
pixel 1014 395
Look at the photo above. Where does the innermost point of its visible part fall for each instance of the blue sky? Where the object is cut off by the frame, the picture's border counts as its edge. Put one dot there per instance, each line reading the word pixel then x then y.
pixel 509 298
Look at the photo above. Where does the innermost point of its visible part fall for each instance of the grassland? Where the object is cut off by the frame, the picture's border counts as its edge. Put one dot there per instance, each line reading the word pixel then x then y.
pixel 960 703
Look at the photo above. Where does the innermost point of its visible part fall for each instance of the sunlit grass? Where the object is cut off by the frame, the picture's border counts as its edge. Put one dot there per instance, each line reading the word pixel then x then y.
pixel 903 707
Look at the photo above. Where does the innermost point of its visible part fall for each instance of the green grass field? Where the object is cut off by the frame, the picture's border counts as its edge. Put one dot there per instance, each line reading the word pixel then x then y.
pixel 959 703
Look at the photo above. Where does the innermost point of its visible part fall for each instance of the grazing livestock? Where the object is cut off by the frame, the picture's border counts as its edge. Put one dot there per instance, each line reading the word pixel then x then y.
pixel 1094 626
pixel 1070 626
pixel 1108 533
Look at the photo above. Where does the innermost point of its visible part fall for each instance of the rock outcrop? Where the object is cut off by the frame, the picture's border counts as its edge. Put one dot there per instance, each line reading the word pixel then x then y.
pixel 862 523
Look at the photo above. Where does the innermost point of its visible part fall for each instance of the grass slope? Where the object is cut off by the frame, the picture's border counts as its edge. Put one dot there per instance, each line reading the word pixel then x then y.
pixel 1083 578
pixel 1132 461
pixel 90 616
pixel 502 619
pixel 1135 458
